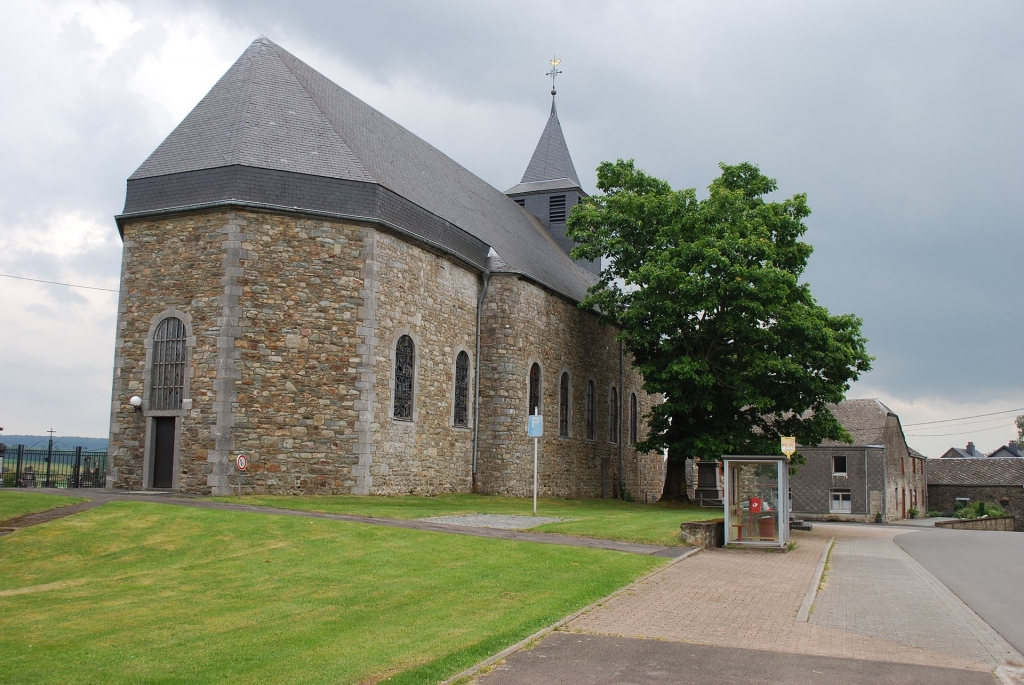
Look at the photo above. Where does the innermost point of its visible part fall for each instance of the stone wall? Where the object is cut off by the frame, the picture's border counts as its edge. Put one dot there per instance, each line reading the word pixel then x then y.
pixel 1003 523
pixel 293 325
pixel 942 498
pixel 813 482
pixel 432 300
pixel 524 324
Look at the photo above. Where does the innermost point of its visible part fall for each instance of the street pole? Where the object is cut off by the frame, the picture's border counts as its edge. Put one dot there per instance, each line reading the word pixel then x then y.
pixel 535 476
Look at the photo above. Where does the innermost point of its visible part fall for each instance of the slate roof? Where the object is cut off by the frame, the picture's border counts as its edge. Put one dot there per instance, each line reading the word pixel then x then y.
pixel 551 166
pixel 314 145
pixel 961 453
pixel 1011 450
pixel 976 471
pixel 863 419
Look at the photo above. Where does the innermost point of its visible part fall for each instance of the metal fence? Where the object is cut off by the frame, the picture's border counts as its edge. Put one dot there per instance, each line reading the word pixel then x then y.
pixel 49 468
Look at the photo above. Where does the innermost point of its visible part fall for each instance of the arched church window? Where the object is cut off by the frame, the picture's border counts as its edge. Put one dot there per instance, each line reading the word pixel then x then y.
pixel 632 418
pixel 405 359
pixel 591 418
pixel 613 416
pixel 563 406
pixel 534 389
pixel 168 380
pixel 462 389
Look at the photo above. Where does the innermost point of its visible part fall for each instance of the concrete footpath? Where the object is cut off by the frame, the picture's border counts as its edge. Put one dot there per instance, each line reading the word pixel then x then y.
pixel 879 617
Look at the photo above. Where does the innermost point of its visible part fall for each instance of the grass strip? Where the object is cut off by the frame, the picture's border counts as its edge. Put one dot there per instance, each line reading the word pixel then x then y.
pixel 145 592
pixel 14 503
pixel 656 524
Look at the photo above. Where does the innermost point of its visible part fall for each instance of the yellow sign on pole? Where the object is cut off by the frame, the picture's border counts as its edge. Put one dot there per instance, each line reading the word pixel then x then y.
pixel 788 446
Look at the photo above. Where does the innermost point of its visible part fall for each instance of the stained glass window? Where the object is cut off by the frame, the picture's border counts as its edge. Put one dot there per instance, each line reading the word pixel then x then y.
pixel 591 419
pixel 534 389
pixel 462 389
pixel 563 406
pixel 404 361
pixel 613 416
pixel 168 380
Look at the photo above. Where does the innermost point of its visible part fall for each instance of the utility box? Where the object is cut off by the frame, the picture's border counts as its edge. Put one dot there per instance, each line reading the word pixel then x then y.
pixel 756 501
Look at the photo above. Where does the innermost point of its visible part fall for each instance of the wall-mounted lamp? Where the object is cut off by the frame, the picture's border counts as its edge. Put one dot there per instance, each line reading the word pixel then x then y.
pixel 136 402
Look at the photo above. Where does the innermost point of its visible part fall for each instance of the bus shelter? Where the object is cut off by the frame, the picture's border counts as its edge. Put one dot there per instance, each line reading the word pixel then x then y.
pixel 756 501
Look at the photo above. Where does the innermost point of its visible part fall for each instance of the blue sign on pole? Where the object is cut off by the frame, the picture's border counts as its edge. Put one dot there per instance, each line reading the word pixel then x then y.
pixel 535 426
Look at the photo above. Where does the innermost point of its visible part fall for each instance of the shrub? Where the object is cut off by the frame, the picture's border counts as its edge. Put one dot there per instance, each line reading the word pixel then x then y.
pixel 976 510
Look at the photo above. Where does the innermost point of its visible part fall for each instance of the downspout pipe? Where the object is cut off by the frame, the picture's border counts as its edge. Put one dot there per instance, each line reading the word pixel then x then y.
pixel 486 275
pixel 618 418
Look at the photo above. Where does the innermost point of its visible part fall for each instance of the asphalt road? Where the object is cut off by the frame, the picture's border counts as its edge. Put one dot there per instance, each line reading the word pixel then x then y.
pixel 582 659
pixel 983 568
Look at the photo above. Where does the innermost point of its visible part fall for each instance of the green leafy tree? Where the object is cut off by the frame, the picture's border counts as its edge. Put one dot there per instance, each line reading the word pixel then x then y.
pixel 1020 429
pixel 710 305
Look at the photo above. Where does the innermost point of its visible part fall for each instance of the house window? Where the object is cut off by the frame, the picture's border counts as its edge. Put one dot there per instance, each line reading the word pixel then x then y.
pixel 613 416
pixel 556 208
pixel 840 502
pixel 839 466
pixel 632 418
pixel 563 406
pixel 591 419
pixel 462 390
pixel 534 390
pixel 168 379
pixel 404 367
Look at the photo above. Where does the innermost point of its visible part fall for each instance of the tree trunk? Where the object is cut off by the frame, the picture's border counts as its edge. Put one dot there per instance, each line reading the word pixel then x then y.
pixel 675 481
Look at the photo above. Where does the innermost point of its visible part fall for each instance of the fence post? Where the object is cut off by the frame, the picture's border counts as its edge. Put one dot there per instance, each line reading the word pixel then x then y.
pixel 17 470
pixel 78 467
pixel 49 458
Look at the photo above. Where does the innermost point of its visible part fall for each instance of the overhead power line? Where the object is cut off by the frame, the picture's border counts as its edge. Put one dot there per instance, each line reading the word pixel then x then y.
pixel 962 418
pixel 942 435
pixel 69 285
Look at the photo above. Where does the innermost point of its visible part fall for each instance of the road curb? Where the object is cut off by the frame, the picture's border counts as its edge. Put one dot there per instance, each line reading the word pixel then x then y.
pixel 473 670
pixel 804 614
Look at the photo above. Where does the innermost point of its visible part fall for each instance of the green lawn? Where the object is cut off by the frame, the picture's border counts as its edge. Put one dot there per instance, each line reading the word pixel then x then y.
pixel 145 592
pixel 15 503
pixel 596 518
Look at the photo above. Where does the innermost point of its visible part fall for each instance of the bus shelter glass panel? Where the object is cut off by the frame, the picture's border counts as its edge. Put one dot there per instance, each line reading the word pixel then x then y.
pixel 754 512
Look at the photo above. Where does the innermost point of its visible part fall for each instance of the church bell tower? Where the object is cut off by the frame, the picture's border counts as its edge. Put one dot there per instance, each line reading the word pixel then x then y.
pixel 550 186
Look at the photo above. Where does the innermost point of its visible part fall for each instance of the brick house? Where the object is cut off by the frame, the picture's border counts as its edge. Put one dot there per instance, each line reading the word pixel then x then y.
pixel 878 472
pixel 309 283
pixel 988 479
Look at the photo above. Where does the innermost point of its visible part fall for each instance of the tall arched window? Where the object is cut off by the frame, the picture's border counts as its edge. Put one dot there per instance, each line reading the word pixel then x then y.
pixel 632 418
pixel 613 415
pixel 591 418
pixel 563 406
pixel 168 380
pixel 534 389
pixel 462 389
pixel 405 360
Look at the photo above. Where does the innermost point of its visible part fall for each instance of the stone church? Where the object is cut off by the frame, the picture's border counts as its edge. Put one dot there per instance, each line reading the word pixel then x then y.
pixel 306 282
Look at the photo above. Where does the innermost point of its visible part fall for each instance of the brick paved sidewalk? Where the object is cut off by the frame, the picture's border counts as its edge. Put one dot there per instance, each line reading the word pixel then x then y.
pixel 750 599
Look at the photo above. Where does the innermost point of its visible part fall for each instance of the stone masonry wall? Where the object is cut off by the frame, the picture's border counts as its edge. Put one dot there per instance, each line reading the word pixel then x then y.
pixel 432 300
pixel 523 324
pixel 295 411
pixel 172 263
pixel 942 498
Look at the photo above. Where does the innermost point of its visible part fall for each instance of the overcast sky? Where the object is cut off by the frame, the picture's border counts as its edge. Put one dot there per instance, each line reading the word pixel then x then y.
pixel 901 121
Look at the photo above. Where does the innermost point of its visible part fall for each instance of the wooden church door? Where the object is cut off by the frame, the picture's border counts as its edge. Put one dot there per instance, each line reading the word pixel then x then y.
pixel 163 451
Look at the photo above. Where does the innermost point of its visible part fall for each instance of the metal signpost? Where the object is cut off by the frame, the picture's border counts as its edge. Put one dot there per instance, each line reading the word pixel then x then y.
pixel 535 429
pixel 240 462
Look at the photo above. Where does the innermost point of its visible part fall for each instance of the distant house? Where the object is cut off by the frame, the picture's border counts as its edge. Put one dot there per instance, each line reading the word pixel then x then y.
pixel 1010 450
pixel 970 452
pixel 989 479
pixel 877 473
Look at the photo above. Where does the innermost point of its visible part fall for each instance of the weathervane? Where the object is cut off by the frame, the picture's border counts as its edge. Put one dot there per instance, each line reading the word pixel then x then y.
pixel 555 71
